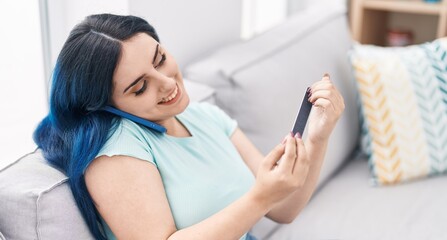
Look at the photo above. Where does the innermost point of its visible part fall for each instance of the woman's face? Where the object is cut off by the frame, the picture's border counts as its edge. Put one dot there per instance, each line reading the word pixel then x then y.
pixel 147 81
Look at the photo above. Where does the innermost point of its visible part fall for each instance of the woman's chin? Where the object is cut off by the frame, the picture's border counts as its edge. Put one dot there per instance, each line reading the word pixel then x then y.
pixel 185 100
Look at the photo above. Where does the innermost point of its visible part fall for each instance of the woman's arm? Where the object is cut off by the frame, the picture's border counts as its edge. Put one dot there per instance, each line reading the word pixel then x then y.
pixel 328 106
pixel 129 195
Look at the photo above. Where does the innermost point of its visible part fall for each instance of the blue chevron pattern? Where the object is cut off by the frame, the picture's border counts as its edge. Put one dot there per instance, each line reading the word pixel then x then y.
pixel 436 55
pixel 365 138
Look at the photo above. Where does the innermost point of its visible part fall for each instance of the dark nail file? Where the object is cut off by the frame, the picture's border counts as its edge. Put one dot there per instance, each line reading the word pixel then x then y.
pixel 303 115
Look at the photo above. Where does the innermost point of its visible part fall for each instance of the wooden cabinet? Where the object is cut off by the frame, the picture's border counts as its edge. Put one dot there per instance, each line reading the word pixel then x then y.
pixel 369 18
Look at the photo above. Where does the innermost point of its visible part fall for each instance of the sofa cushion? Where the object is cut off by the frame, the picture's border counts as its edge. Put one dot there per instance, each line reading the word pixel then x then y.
pixel 36 202
pixel 199 92
pixel 261 82
pixel 348 207
pixel 403 94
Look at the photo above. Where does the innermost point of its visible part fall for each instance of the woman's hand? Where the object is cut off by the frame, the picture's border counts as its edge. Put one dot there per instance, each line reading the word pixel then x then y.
pixel 282 171
pixel 328 107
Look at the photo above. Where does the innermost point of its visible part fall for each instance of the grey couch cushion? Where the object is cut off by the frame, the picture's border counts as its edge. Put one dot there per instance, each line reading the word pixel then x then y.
pixel 349 207
pixel 36 202
pixel 199 92
pixel 261 82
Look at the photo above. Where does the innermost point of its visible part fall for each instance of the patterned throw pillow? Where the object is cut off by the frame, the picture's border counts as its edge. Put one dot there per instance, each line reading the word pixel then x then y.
pixel 403 99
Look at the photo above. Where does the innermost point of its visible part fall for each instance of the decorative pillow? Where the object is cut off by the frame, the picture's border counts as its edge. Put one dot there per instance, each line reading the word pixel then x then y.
pixel 403 99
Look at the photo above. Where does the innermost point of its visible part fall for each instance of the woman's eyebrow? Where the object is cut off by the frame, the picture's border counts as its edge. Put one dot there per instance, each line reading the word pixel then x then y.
pixel 140 77
pixel 133 83
pixel 155 55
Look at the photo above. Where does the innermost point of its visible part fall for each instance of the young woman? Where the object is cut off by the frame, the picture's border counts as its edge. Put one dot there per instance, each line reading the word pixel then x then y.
pixel 202 178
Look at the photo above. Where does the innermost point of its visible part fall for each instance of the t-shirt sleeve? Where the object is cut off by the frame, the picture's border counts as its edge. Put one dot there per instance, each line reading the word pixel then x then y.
pixel 217 115
pixel 128 140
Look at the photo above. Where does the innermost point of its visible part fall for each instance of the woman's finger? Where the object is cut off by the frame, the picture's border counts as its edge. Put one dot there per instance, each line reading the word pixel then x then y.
pixel 323 93
pixel 324 80
pixel 273 157
pixel 332 96
pixel 302 164
pixel 289 157
pixel 328 85
pixel 323 98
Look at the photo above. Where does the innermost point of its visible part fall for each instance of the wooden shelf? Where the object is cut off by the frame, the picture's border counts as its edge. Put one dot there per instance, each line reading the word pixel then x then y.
pixel 405 6
pixel 369 18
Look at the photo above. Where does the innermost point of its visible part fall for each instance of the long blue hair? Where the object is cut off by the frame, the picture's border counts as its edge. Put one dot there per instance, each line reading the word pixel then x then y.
pixel 75 129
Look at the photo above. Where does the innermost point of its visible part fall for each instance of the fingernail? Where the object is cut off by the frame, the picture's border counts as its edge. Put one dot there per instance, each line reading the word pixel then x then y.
pixel 326 75
pixel 291 133
pixel 309 92
pixel 297 135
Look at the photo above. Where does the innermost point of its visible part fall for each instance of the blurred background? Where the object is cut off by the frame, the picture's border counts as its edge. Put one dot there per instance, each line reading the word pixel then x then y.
pixel 33 32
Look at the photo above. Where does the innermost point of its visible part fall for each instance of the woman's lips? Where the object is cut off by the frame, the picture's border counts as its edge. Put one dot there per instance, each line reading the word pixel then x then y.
pixel 173 100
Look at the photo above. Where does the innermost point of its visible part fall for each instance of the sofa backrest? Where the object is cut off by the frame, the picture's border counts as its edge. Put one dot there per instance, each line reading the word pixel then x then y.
pixel 261 82
pixel 36 202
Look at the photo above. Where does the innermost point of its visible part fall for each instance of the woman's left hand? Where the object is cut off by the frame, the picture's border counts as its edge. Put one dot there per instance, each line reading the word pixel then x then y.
pixel 328 105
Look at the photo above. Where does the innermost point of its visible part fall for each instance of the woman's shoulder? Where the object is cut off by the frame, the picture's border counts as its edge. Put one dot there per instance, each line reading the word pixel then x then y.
pixel 128 139
pixel 128 131
pixel 126 126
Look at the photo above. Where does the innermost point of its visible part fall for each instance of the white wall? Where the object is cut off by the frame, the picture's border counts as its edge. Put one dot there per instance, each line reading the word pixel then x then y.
pixel 297 5
pixel 261 15
pixel 191 28
pixel 63 15
pixel 23 95
pixel 186 30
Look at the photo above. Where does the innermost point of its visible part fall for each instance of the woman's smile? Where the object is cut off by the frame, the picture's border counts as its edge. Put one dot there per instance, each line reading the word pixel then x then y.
pixel 172 98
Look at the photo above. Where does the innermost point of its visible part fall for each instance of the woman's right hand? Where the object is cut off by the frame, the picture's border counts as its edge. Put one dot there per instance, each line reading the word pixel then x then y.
pixel 282 172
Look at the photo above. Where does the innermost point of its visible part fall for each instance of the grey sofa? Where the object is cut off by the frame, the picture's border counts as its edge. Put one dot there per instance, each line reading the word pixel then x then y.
pixel 260 83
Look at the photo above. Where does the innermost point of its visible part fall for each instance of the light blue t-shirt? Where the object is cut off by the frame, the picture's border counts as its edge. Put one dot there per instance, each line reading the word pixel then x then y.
pixel 201 174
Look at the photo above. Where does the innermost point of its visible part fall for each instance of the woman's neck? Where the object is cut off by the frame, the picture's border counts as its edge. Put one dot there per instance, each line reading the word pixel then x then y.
pixel 175 128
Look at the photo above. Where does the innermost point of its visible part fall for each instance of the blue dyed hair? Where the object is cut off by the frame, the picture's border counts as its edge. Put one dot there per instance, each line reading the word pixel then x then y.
pixel 75 128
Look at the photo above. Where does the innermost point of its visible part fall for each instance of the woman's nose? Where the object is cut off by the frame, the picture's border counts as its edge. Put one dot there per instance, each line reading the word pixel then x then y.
pixel 167 84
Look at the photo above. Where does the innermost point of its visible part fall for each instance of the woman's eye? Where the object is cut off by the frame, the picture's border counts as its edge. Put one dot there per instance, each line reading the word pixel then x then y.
pixel 141 90
pixel 163 58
